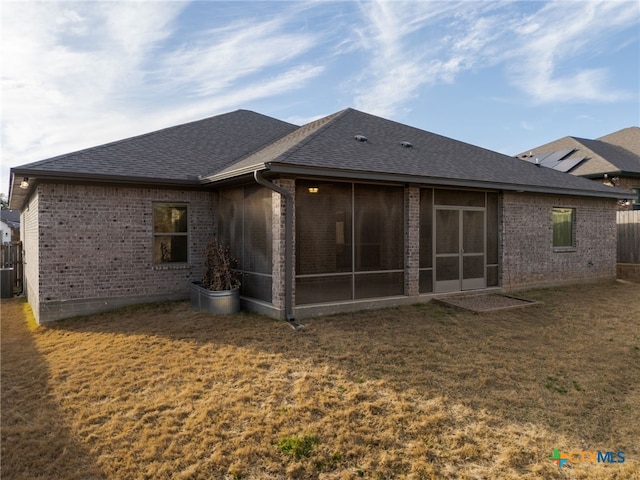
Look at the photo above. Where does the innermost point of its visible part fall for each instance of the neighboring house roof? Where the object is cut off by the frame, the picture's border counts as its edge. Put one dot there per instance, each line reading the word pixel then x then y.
pixel 615 154
pixel 627 138
pixel 237 143
pixel 10 218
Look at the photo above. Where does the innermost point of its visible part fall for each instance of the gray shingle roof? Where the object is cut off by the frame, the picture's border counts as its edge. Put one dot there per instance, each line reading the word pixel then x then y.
pixel 617 153
pixel 330 144
pixel 282 147
pixel 179 153
pixel 619 160
pixel 239 142
pixel 11 217
pixel 627 138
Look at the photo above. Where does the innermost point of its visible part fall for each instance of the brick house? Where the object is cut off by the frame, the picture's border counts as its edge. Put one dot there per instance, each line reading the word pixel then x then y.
pixel 348 212
pixel 613 160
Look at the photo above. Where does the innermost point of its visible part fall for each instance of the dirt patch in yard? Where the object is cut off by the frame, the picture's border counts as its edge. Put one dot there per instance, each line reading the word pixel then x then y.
pixel 483 303
pixel 425 391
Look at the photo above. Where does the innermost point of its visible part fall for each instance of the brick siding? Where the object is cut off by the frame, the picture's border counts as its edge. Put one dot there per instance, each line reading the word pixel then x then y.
pixel 279 205
pixel 96 242
pixel 528 256
pixel 412 241
pixel 90 248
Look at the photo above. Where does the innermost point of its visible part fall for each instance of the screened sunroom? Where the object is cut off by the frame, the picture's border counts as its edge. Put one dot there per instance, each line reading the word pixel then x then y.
pixel 355 242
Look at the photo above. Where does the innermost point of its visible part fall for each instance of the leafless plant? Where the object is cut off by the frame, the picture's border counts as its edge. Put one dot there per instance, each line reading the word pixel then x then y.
pixel 219 273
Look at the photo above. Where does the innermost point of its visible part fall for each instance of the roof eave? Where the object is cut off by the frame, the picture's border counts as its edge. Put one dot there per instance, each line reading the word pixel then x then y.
pixel 297 170
pixel 616 173
pixel 18 196
pixel 98 177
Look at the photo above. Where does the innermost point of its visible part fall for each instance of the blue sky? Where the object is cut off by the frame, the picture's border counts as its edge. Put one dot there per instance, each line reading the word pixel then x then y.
pixel 506 76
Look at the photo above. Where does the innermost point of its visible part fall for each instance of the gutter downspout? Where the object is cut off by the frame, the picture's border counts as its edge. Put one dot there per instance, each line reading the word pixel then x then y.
pixel 288 248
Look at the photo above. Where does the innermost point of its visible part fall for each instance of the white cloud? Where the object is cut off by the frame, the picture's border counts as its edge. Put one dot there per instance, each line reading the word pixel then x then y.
pixel 543 53
pixel 76 74
pixel 549 41
pixel 454 37
pixel 221 57
pixel 393 73
pixel 65 68
pixel 81 74
pixel 289 80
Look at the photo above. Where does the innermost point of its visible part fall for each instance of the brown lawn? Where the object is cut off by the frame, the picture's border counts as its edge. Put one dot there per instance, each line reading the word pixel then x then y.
pixel 160 391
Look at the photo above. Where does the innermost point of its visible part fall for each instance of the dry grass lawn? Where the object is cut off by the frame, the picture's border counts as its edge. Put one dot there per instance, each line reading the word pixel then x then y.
pixel 164 392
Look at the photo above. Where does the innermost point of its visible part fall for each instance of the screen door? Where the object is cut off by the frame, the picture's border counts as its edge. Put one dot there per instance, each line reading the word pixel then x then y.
pixel 460 249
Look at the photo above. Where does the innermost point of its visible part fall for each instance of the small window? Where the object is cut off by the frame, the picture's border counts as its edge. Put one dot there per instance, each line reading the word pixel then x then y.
pixel 563 227
pixel 170 234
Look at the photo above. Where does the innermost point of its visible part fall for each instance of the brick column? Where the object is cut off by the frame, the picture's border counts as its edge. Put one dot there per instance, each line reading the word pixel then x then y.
pixel 279 206
pixel 411 241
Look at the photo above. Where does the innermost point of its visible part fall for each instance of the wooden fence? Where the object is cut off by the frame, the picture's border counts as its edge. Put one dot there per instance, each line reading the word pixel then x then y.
pixel 11 257
pixel 629 236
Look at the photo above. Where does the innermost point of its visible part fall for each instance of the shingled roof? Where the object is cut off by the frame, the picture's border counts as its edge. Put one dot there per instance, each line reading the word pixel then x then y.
pixel 171 156
pixel 10 217
pixel 615 154
pixel 329 147
pixel 347 144
pixel 627 138
pixel 177 153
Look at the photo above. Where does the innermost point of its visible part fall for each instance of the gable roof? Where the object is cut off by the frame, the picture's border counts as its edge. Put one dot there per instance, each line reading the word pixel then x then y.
pixel 237 143
pixel 329 147
pixel 615 154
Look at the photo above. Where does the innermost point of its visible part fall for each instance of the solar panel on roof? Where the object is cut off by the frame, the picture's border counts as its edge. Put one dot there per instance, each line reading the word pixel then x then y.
pixel 558 155
pixel 538 158
pixel 568 164
pixel 548 164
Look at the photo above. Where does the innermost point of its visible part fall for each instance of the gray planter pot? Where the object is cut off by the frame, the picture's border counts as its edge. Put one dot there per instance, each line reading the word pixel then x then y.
pixel 221 302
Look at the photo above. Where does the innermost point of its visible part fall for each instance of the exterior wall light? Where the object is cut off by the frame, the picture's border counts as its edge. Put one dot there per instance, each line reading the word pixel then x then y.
pixel 313 189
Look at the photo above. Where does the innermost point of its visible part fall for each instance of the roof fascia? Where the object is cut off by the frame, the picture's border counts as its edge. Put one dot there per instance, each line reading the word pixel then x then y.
pixel 18 197
pixel 609 173
pixel 448 182
pixel 93 177
pixel 619 173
